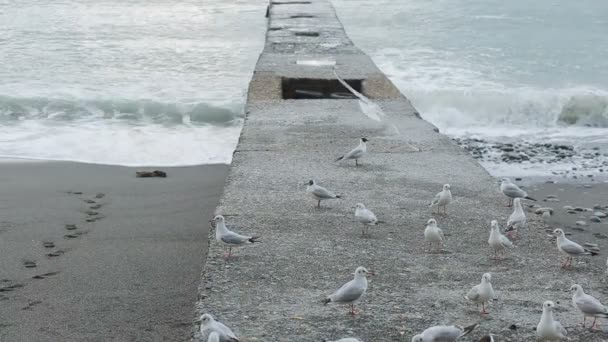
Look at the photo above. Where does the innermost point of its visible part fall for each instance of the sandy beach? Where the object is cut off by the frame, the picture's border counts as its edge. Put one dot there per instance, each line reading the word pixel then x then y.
pixel 92 253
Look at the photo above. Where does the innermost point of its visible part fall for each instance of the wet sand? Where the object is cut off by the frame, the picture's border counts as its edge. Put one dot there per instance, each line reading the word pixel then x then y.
pixel 589 199
pixel 117 258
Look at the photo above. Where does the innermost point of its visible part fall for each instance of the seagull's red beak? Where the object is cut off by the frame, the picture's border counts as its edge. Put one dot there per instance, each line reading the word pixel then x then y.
pixel 371 273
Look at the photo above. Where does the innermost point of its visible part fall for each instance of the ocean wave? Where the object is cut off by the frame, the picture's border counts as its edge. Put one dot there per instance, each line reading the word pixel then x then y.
pixel 18 109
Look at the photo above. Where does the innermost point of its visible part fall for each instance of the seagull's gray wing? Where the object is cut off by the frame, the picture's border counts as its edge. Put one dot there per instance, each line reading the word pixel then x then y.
pixel 436 199
pixel 347 293
pixel 367 217
pixel 505 242
pixel 558 326
pixel 233 238
pixel 513 191
pixel 321 192
pixel 590 305
pixel 356 153
pixel 226 332
pixel 473 293
pixel 572 247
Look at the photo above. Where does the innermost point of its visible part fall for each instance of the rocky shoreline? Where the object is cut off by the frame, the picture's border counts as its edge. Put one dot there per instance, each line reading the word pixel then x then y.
pixel 562 160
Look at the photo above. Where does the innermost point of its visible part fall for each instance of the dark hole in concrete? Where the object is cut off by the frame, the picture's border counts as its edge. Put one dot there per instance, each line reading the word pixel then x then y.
pixel 307 34
pixel 310 88
pixel 291 2
pixel 275 28
pixel 302 16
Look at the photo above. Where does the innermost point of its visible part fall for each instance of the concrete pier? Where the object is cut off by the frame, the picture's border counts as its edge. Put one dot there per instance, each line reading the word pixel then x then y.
pixel 273 291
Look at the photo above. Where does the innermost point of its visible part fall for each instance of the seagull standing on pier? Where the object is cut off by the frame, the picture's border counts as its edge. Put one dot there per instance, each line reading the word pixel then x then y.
pixel 442 199
pixel 433 235
pixel 357 152
pixel 588 305
pixel 352 291
pixel 482 293
pixel 517 219
pixel 569 248
pixel 319 193
pixel 549 329
pixel 229 238
pixel 512 191
pixel 497 241
pixel 365 216
pixel 210 325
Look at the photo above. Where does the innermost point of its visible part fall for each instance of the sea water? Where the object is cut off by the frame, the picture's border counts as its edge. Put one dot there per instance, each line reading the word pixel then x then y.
pixel 161 82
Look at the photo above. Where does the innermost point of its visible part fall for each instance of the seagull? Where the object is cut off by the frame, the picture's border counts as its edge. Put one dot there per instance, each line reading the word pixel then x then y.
pixel 482 293
pixel 442 199
pixel 433 234
pixel 213 337
pixel 587 305
pixel 549 329
pixel 348 339
pixel 511 190
pixel 357 152
pixel 365 216
pixel 517 219
pixel 352 291
pixel 487 338
pixel 209 325
pixel 230 238
pixel 569 248
pixel 497 241
pixel 319 193
pixel 443 333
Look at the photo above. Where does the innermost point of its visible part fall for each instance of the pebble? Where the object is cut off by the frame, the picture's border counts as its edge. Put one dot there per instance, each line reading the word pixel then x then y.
pixel 568 207
pixel 581 223
pixel 552 200
pixel 600 214
pixel 595 219
pixel 541 211
pixel 551 196
pixel 597 206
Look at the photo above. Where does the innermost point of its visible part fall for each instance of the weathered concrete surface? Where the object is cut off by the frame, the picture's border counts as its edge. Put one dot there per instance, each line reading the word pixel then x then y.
pixel 273 291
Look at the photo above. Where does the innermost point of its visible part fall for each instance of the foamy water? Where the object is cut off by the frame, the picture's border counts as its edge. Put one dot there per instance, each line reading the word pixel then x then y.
pixel 492 67
pixel 126 82
pixel 163 83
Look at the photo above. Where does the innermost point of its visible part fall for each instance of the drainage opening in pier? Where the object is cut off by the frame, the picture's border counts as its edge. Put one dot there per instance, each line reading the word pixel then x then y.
pixel 297 16
pixel 307 34
pixel 310 88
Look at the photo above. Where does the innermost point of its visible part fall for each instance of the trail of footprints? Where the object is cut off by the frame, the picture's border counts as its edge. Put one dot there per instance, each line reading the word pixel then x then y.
pixel 73 231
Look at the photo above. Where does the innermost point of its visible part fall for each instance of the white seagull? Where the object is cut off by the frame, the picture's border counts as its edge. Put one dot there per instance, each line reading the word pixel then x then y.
pixel 511 190
pixel 365 216
pixel 319 193
pixel 442 199
pixel 209 325
pixel 588 305
pixel 213 337
pixel 497 241
pixel 352 291
pixel 229 238
pixel 569 248
pixel 443 333
pixel 433 234
pixel 482 293
pixel 549 329
pixel 357 152
pixel 517 219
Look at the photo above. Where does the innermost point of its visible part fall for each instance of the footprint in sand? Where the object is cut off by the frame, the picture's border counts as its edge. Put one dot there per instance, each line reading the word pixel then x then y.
pixel 75 235
pixel 45 275
pixel 70 227
pixel 9 288
pixel 100 195
pixel 95 207
pixel 92 213
pixel 48 244
pixel 30 305
pixel 29 263
pixel 56 253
